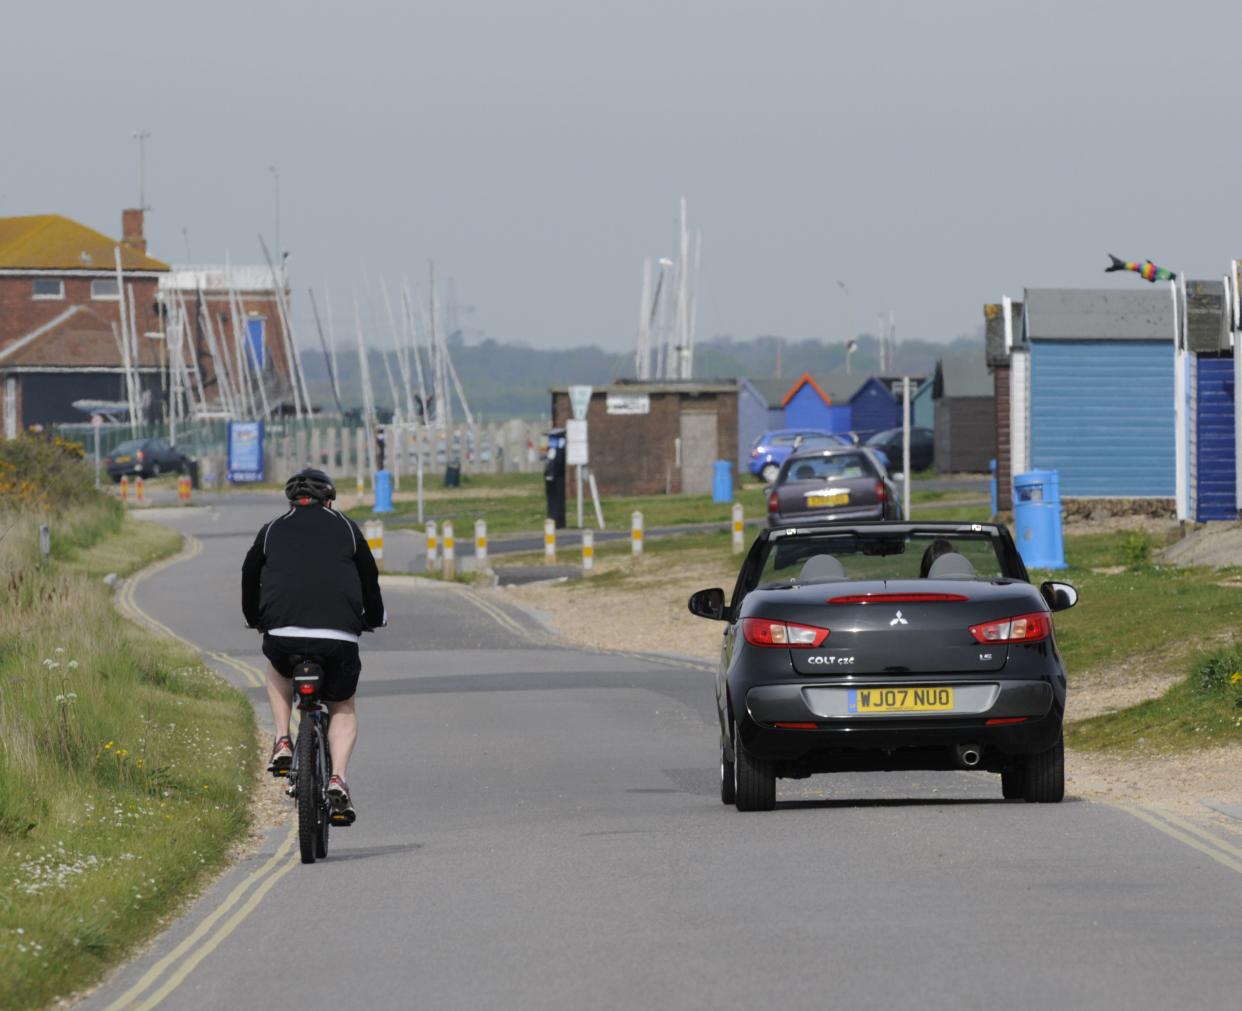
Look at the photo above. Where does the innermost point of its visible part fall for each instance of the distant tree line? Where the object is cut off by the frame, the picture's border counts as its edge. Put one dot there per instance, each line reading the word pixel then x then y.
pixel 504 380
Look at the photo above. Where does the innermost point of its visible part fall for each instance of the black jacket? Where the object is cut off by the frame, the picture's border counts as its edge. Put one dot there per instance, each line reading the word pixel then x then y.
pixel 311 567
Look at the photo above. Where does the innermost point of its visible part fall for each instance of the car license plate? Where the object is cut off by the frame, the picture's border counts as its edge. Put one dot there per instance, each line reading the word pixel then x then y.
pixel 834 498
pixel 936 699
pixel 121 459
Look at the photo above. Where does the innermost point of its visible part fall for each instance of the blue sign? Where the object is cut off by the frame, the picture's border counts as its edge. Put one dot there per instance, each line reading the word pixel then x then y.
pixel 245 451
pixel 255 331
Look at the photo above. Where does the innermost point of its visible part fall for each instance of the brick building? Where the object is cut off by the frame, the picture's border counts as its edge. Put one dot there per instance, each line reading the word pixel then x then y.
pixel 648 438
pixel 60 311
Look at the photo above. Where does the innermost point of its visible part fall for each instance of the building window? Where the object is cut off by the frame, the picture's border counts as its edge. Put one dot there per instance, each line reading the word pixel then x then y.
pixel 103 288
pixel 48 287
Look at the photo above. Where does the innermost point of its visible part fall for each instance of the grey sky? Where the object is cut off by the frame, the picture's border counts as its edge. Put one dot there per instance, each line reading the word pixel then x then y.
pixel 931 155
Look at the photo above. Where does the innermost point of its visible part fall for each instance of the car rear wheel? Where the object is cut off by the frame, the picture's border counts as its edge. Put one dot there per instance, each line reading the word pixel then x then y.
pixel 754 779
pixel 727 777
pixel 1044 775
pixel 1013 782
pixel 770 472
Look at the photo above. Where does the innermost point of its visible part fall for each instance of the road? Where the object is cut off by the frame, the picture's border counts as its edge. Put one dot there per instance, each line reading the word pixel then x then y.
pixel 539 827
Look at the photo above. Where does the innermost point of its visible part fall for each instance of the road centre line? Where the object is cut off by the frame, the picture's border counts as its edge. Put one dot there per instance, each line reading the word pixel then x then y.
pixel 1219 850
pixel 187 943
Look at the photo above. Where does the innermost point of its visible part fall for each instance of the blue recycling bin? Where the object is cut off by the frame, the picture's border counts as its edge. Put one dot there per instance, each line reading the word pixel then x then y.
pixel 1037 519
pixel 722 481
pixel 383 491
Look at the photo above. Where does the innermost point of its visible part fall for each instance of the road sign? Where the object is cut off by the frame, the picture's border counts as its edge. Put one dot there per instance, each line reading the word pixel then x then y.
pixel 580 400
pixel 576 442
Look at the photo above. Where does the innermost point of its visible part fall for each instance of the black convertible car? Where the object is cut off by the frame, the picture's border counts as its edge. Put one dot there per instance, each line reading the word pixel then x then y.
pixel 885 646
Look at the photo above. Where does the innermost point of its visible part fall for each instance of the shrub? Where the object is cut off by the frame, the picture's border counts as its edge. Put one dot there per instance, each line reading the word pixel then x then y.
pixel 43 474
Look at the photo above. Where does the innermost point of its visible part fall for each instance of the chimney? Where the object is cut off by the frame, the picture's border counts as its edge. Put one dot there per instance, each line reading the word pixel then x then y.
pixel 131 230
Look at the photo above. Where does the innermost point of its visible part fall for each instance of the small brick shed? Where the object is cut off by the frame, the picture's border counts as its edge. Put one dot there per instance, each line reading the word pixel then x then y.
pixel 653 438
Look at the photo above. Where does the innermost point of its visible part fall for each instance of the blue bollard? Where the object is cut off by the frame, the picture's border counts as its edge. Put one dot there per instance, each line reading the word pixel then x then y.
pixel 382 484
pixel 722 481
pixel 1037 519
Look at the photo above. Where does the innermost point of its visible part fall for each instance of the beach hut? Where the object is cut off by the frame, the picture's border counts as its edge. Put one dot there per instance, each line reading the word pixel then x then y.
pixel 965 421
pixel 1101 389
pixel 1212 456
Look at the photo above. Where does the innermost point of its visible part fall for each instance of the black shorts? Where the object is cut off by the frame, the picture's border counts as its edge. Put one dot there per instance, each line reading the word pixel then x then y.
pixel 339 660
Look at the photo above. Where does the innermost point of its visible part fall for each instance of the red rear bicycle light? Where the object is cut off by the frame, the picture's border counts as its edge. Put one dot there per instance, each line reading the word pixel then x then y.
pixel 899 598
pixel 785 634
pixel 306 689
pixel 1023 628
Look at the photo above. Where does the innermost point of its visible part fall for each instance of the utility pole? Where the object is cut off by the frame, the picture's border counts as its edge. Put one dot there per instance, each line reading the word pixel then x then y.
pixel 141 137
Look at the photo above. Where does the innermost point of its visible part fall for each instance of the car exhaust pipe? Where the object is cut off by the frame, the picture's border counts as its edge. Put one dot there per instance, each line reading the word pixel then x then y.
pixel 968 755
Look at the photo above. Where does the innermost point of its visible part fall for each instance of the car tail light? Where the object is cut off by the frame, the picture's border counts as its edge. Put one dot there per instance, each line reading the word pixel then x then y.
pixel 880 492
pixel 899 598
pixel 754 454
pixel 762 632
pixel 774 503
pixel 1023 628
pixel 141 455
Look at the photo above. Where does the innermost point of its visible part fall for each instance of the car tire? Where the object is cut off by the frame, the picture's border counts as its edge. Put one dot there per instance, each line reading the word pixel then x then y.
pixel 1013 782
pixel 754 779
pixel 728 781
pixel 770 472
pixel 1044 775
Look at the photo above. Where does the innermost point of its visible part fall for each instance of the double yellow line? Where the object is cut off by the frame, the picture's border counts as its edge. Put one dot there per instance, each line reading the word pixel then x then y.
pixel 128 605
pixel 1207 843
pixel 206 937
pixel 171 970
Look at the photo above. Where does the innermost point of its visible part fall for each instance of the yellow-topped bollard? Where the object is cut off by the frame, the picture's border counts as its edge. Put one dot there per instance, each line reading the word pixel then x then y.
pixel 450 552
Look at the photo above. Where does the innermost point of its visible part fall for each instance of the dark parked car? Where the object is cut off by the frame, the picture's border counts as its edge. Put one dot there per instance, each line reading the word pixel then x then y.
pixel 145 457
pixel 922 447
pixel 888 646
pixel 832 484
pixel 771 449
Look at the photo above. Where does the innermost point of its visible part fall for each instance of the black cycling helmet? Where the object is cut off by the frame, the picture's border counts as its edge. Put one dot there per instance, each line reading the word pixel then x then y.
pixel 310 484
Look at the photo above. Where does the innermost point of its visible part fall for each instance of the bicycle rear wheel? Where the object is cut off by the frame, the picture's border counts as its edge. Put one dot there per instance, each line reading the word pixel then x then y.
pixel 309 790
pixel 324 773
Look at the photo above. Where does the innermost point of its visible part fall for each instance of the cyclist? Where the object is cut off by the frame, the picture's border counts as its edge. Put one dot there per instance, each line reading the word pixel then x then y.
pixel 310 584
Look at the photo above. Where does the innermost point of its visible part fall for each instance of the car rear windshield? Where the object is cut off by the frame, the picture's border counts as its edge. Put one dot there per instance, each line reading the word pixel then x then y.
pixel 841 466
pixel 798 559
pixel 130 447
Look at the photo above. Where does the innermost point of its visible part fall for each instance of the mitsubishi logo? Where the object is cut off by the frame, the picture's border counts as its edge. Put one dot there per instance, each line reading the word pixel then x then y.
pixel 899 620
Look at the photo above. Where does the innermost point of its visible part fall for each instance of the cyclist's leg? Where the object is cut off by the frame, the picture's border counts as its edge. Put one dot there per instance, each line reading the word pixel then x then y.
pixel 280 696
pixel 342 734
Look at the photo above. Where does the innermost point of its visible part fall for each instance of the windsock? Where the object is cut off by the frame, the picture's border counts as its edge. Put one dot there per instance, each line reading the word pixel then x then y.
pixel 1147 270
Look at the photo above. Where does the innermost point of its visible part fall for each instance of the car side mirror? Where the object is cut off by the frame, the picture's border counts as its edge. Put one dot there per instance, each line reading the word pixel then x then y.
pixel 1060 596
pixel 708 604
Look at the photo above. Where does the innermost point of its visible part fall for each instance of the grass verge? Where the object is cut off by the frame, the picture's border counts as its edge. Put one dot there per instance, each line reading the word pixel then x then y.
pixel 125 766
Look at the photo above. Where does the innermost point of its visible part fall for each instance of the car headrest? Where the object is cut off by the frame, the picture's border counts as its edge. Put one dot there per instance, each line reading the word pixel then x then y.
pixel 804 472
pixel 821 569
pixel 951 565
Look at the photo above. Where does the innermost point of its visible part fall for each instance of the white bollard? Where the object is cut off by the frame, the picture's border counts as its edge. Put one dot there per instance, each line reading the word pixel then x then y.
pixel 588 551
pixel 450 552
pixel 480 546
pixel 636 535
pixel 549 542
pixel 373 530
pixel 738 528
pixel 433 547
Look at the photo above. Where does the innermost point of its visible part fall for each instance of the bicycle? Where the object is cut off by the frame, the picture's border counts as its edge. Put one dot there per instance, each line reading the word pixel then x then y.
pixel 312 764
